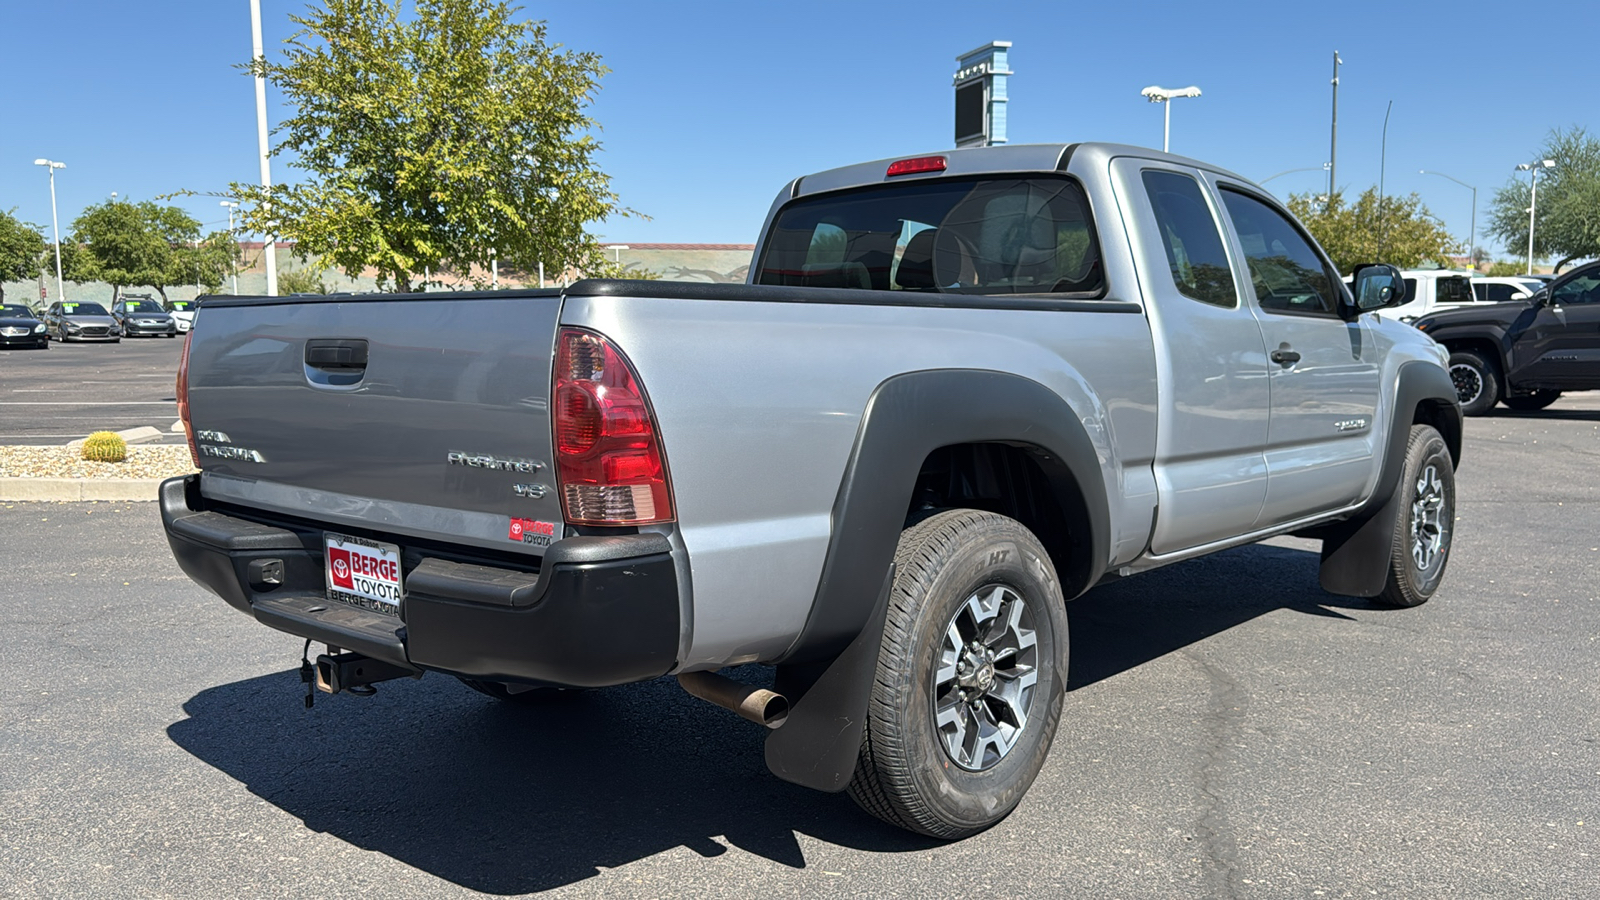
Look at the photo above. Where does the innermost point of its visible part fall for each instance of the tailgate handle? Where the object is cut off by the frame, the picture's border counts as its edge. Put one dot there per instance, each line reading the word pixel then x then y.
pixel 336 353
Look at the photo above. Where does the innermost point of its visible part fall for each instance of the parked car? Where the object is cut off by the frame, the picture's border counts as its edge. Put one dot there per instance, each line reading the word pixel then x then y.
pixel 73 320
pixel 182 312
pixel 1499 289
pixel 957 390
pixel 1524 353
pixel 21 327
pixel 141 316
pixel 1430 289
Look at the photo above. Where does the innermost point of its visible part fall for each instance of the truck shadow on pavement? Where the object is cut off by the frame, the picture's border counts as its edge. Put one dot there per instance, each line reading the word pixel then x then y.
pixel 511 799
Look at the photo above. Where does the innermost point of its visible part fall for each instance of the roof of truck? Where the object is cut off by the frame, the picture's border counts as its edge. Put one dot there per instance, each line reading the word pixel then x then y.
pixel 1006 158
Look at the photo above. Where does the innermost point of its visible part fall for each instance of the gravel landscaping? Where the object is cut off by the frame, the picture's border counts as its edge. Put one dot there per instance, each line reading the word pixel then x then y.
pixel 163 461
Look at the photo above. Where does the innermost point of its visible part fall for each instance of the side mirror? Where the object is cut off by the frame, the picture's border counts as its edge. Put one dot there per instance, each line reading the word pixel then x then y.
pixel 1377 286
pixel 1542 297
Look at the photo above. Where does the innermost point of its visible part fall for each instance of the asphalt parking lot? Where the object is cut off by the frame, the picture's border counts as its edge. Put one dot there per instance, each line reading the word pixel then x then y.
pixel 1230 731
pixel 57 395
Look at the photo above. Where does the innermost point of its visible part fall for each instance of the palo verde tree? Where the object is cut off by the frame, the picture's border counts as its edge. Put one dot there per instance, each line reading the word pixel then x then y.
pixel 433 140
pixel 138 244
pixel 1568 210
pixel 1395 230
pixel 22 250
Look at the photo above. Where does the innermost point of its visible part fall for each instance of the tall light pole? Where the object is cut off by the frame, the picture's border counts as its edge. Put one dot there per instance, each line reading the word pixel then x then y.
pixel 1472 241
pixel 1533 197
pixel 1164 96
pixel 55 225
pixel 233 245
pixel 270 251
pixel 1333 136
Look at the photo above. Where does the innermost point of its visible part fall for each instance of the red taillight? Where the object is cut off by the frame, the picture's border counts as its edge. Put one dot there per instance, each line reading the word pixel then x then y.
pixel 608 454
pixel 183 399
pixel 916 165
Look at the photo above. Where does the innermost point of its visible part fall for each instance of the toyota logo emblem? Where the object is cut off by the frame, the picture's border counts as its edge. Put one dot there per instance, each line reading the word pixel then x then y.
pixel 341 568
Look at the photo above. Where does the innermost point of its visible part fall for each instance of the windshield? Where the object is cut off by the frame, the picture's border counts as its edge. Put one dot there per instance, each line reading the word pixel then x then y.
pixel 82 309
pixel 968 235
pixel 142 306
pixel 180 305
pixel 13 309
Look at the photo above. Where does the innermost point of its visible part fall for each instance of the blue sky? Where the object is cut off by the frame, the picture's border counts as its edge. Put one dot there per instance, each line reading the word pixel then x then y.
pixel 713 106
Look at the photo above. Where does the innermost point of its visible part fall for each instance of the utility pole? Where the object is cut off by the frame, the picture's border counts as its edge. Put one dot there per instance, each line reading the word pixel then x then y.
pixel 270 251
pixel 1333 149
pixel 1533 197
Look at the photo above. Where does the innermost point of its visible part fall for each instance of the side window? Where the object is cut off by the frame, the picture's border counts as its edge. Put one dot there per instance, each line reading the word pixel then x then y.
pixel 1500 293
pixel 1583 289
pixel 1288 275
pixel 1452 290
pixel 1411 290
pixel 1191 238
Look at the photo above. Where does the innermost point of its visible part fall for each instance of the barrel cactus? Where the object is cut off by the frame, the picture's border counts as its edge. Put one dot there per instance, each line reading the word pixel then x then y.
pixel 105 446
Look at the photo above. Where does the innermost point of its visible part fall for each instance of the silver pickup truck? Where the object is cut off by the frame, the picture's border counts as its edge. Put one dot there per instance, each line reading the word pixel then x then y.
pixel 958 391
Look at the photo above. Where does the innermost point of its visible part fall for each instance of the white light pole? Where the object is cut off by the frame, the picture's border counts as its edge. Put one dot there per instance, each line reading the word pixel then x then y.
pixel 270 251
pixel 1533 198
pixel 55 225
pixel 1164 96
pixel 233 245
pixel 1472 242
pixel 616 250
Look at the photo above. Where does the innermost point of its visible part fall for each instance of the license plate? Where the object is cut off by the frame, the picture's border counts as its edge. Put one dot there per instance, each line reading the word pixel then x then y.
pixel 363 573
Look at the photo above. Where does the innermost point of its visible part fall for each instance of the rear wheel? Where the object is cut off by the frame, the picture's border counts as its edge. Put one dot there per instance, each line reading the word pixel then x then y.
pixel 1424 521
pixel 970 677
pixel 1532 401
pixel 1477 381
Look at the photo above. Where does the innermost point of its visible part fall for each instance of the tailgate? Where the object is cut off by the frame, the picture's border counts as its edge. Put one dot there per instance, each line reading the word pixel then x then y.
pixel 424 415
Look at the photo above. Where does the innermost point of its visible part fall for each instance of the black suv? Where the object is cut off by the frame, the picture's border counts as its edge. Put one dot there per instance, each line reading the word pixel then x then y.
pixel 1524 353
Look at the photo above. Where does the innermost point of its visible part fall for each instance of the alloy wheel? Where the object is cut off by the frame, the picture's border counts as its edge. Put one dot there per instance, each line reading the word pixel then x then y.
pixel 985 675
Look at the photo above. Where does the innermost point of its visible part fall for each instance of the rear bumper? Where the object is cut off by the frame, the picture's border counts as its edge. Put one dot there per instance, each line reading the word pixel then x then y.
pixel 600 611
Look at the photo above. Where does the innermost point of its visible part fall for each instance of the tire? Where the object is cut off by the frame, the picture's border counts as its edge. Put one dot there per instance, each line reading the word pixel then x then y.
pixel 1477 381
pixel 911 772
pixel 1424 521
pixel 501 692
pixel 1532 401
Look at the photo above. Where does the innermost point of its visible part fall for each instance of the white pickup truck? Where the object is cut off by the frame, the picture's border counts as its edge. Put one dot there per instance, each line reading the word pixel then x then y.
pixel 959 390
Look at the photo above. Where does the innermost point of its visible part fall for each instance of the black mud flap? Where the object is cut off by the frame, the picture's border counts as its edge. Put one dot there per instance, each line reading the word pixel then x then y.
pixel 1355 557
pixel 819 742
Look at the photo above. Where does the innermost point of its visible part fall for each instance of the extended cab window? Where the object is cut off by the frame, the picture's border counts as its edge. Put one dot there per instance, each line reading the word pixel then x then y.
pixel 951 235
pixel 1191 238
pixel 1287 273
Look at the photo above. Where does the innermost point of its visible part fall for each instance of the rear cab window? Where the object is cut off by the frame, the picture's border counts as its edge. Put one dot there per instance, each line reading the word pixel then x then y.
pixel 986 235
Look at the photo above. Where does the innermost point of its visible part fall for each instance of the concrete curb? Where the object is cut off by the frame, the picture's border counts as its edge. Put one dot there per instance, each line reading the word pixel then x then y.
pixel 77 490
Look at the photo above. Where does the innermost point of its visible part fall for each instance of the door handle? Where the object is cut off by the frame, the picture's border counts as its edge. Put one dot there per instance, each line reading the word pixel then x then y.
pixel 1284 356
pixel 336 354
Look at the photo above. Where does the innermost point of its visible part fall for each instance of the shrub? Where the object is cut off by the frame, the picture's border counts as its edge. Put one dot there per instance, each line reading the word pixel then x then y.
pixel 105 446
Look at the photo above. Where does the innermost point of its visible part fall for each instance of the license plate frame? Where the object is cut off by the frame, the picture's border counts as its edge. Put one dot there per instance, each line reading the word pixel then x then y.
pixel 371 576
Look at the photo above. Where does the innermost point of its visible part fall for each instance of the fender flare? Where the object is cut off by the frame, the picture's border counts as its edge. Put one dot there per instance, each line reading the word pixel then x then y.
pixel 1355 553
pixel 827 673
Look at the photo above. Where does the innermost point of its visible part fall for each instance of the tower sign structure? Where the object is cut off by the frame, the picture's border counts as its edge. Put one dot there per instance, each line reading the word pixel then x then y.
pixel 980 83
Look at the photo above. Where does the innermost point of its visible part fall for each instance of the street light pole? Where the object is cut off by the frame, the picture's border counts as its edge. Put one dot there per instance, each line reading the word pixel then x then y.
pixel 233 245
pixel 270 251
pixel 1472 241
pixel 1333 139
pixel 1533 197
pixel 55 224
pixel 1164 96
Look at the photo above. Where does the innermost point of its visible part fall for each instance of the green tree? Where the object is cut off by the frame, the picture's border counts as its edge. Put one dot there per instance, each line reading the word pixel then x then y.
pixel 133 244
pixel 1504 269
pixel 22 250
pixel 302 281
pixel 434 141
pixel 1395 230
pixel 1568 212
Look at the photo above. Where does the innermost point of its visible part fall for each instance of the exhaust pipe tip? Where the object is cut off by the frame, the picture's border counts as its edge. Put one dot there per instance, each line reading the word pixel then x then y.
pixel 759 705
